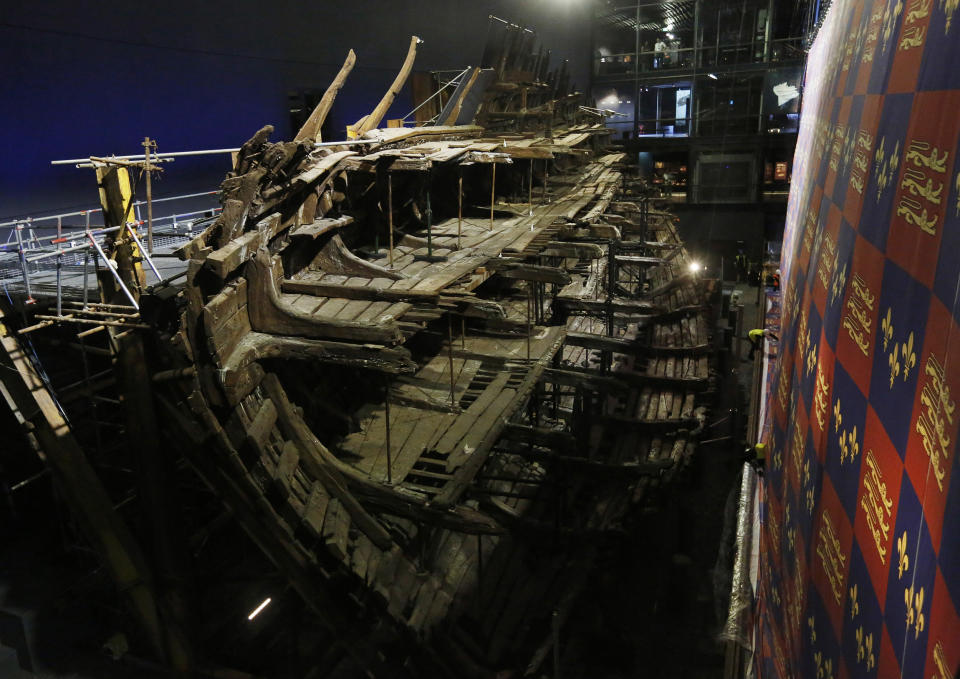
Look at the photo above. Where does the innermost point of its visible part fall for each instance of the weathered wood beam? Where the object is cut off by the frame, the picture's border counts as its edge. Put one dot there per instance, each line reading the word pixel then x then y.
pixel 373 119
pixel 320 289
pixel 318 227
pixel 572 250
pixel 585 379
pixel 528 272
pixel 311 128
pixel 270 315
pixel 619 306
pixel 602 343
pixel 562 441
pixel 336 258
pixel 241 371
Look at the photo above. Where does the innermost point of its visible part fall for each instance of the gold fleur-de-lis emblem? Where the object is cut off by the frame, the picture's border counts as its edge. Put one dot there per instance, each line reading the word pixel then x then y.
pixel 871 658
pixel 909 356
pixel 894 362
pixel 837 416
pixel 886 325
pixel 854 604
pixel 809 500
pixel 852 446
pixel 914 603
pixel 904 563
pixel 811 358
pixel 861 651
pixel 813 631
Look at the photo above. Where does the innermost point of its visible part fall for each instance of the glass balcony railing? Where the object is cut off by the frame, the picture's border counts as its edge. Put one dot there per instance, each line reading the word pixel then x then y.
pixel 706 125
pixel 707 56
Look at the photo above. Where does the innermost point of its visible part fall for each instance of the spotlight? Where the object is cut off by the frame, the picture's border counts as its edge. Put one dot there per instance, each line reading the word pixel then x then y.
pixel 694 267
pixel 712 75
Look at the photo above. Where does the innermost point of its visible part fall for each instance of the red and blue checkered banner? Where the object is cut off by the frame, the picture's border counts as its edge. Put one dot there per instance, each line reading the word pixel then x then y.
pixel 860 538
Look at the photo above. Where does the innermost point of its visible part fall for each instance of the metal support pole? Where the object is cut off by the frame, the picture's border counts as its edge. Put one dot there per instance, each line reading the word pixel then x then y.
pixel 143 252
pixel 429 215
pixel 390 213
pixel 530 189
pixel 546 170
pixel 463 332
pixel 23 263
pixel 529 325
pixel 149 144
pixel 493 190
pixel 459 207
pixel 110 266
pixel 59 269
pixel 453 400
pixel 86 293
pixel 386 403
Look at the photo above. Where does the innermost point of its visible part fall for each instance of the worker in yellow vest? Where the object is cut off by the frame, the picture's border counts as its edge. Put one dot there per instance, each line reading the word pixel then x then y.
pixel 756 340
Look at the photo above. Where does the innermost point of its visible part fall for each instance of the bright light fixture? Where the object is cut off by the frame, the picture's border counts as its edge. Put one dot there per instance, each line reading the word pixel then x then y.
pixel 256 611
pixel 712 75
pixel 694 266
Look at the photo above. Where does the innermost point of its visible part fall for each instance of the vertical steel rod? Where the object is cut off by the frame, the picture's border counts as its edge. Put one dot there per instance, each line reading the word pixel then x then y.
pixel 23 262
pixel 530 189
pixel 463 332
pixel 59 268
pixel 493 191
pixel 546 166
pixel 148 144
pixel 429 215
pixel 453 400
pixel 529 305
pixel 390 213
pixel 386 403
pixel 86 293
pixel 459 207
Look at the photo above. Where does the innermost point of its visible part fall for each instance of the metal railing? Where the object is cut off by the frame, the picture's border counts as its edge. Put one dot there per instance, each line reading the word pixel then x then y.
pixel 29 260
pixel 706 56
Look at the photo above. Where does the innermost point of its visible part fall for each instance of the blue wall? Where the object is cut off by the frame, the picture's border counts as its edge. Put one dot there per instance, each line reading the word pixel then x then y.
pixel 81 78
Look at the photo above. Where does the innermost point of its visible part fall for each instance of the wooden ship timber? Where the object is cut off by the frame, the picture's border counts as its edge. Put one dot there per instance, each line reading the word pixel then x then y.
pixel 429 370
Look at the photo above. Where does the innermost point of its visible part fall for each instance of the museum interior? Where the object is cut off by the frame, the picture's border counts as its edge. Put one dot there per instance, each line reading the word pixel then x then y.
pixel 520 338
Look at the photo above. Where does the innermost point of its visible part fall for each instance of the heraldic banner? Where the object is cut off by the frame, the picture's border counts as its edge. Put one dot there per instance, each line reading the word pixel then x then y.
pixel 859 571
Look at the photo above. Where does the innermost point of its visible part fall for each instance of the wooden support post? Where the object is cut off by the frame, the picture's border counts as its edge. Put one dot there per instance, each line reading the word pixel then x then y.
pixel 463 332
pixel 148 145
pixel 493 190
pixel 386 405
pixel 390 213
pixel 459 207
